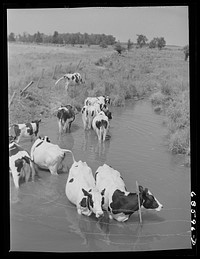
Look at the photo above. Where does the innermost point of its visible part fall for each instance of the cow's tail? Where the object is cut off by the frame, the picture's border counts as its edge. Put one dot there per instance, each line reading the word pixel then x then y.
pixel 67 150
pixel 59 80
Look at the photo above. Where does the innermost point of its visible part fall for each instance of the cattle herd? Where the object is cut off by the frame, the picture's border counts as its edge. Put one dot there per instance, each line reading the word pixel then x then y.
pixel 103 191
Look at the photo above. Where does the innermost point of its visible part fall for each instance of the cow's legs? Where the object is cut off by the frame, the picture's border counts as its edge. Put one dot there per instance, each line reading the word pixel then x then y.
pixel 16 178
pixel 60 126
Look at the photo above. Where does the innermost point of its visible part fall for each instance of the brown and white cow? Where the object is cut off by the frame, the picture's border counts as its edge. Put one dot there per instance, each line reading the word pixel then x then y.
pixel 71 78
pixel 20 163
pixel 65 115
pixel 120 203
pixel 26 130
pixel 81 190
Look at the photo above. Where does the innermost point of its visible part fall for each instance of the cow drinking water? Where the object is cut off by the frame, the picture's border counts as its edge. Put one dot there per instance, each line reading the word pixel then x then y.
pixel 120 203
pixel 81 191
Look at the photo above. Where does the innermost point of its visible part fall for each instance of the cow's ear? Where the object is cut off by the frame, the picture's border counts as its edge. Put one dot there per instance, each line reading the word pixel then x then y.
pixel 86 193
pixel 103 191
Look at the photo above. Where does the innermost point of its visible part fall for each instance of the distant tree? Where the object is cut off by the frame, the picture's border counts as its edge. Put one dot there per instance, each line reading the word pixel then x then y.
pixel 103 44
pixel 55 37
pixel 153 43
pixel 11 37
pixel 161 43
pixel 141 40
pixel 129 45
pixel 186 52
pixel 157 43
pixel 118 47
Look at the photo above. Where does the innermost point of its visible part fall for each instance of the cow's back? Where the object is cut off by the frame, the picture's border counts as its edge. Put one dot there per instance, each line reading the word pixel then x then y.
pixel 108 178
pixel 80 177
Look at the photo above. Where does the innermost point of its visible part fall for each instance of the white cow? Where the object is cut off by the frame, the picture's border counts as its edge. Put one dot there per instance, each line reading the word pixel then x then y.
pixel 100 124
pixel 20 163
pixel 47 155
pixel 81 191
pixel 120 203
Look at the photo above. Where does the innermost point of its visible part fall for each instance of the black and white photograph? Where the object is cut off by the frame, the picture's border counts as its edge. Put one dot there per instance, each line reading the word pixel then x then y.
pixel 99 129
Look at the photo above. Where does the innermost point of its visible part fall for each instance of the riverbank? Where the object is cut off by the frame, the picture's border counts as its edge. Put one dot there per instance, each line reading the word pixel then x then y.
pixel 133 75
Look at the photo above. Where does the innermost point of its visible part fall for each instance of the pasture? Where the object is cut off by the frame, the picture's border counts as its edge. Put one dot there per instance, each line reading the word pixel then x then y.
pixel 163 74
pixel 147 87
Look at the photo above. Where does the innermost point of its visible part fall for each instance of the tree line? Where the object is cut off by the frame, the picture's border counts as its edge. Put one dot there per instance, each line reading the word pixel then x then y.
pixel 64 38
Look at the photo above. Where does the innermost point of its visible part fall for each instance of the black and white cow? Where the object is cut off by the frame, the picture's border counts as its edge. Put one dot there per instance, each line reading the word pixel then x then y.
pixel 101 100
pixel 29 129
pixel 81 190
pixel 100 125
pixel 20 163
pixel 65 115
pixel 74 78
pixel 47 155
pixel 120 203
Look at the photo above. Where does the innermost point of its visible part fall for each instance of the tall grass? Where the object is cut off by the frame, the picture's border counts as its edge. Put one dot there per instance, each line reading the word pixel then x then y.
pixel 134 75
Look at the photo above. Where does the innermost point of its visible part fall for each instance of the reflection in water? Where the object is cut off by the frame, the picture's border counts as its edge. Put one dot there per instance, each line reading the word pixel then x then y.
pixel 97 151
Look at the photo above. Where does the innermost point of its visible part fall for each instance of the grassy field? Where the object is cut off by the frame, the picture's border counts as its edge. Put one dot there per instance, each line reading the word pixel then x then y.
pixel 163 76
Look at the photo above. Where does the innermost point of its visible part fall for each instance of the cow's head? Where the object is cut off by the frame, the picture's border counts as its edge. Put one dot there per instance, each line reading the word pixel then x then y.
pixel 108 114
pixel 45 138
pixel 95 200
pixel 107 99
pixel 149 201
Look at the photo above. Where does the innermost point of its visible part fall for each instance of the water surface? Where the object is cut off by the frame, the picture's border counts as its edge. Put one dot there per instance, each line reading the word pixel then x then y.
pixel 42 218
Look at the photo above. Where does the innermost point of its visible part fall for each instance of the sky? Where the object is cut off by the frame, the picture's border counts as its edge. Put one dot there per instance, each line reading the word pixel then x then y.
pixel 122 22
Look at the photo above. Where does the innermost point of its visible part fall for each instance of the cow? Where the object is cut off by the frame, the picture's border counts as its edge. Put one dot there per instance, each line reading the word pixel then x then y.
pixel 88 114
pixel 100 100
pixel 81 191
pixel 20 163
pixel 47 155
pixel 74 78
pixel 100 125
pixel 26 130
pixel 120 203
pixel 65 115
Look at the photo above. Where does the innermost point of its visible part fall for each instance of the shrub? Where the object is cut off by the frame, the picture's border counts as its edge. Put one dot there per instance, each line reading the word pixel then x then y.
pixel 157 98
pixel 119 48
pixel 141 40
pixel 179 141
pixel 103 45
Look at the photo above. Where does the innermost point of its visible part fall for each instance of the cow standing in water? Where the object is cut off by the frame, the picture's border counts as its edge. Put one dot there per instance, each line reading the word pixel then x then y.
pixel 81 190
pixel 120 203
pixel 26 130
pixel 100 124
pixel 47 155
pixel 65 115
pixel 20 163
